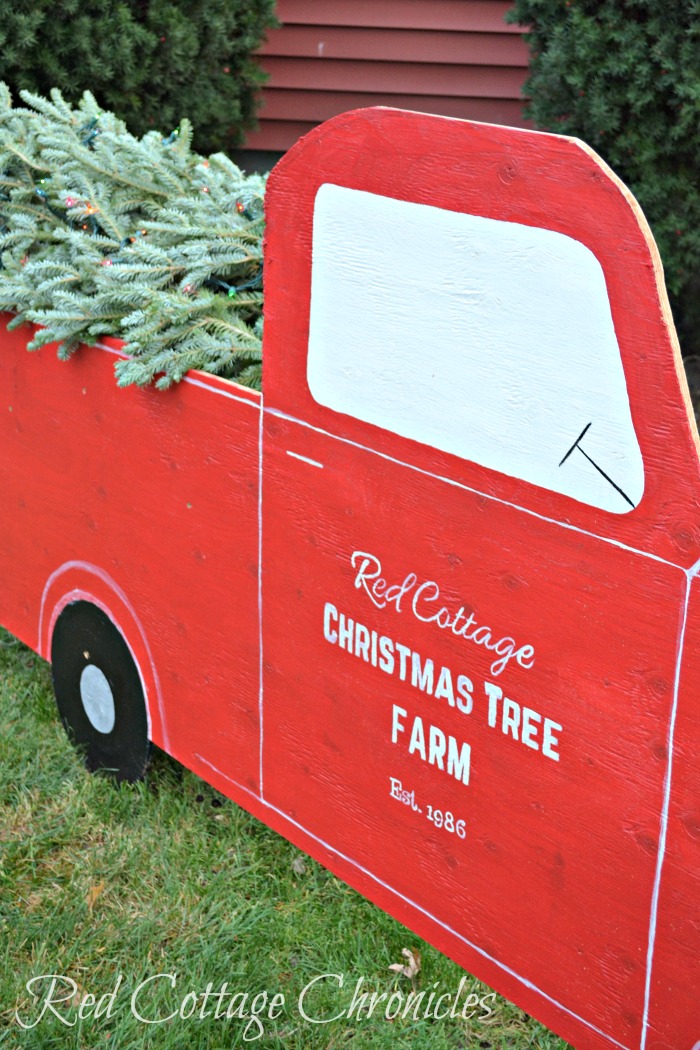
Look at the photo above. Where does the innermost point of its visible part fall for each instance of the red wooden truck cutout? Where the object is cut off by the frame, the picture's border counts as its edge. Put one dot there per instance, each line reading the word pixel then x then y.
pixel 430 608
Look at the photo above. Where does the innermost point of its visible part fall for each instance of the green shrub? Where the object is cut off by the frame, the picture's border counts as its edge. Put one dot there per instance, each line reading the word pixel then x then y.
pixel 624 75
pixel 149 61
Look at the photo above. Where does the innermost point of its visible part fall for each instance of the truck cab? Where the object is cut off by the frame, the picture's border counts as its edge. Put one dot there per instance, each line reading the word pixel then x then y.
pixel 480 495
pixel 429 604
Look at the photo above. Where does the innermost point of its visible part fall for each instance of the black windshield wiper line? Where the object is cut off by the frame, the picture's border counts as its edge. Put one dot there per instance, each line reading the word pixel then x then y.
pixel 576 445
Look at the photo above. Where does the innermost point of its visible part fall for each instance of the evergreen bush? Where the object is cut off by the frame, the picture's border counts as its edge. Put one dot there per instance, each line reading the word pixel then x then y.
pixel 624 75
pixel 149 61
pixel 102 233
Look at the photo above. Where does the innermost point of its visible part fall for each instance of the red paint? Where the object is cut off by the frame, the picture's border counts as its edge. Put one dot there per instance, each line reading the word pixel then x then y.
pixel 152 503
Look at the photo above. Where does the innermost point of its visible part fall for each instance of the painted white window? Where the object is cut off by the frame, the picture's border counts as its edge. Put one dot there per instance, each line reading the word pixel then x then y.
pixel 490 340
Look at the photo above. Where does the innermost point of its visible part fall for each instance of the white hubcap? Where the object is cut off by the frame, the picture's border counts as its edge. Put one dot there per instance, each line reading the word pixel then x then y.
pixel 98 701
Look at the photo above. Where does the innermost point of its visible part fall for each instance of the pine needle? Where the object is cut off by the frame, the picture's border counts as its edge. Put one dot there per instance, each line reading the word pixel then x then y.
pixel 102 233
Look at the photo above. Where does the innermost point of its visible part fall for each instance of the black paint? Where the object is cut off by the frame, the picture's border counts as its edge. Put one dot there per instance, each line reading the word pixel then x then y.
pixel 576 445
pixel 83 628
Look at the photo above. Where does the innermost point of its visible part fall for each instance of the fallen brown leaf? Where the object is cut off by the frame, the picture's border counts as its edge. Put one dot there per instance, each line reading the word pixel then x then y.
pixel 412 965
pixel 93 893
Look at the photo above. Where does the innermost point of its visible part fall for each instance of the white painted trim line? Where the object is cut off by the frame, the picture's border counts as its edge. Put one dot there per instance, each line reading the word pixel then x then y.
pixel 193 382
pixel 88 567
pixel 230 780
pixel 661 855
pixel 468 488
pixel 260 597
pixel 222 393
pixel 365 871
pixel 305 459
pixel 110 350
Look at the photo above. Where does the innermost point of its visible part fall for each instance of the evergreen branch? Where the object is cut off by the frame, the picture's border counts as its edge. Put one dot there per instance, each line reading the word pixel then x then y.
pixel 219 324
pixel 28 163
pixel 111 248
pixel 117 177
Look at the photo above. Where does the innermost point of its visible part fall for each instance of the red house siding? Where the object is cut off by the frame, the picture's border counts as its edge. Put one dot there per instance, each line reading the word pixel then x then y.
pixel 453 57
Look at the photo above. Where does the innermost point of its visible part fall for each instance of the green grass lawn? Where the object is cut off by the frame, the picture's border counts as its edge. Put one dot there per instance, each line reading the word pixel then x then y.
pixel 169 877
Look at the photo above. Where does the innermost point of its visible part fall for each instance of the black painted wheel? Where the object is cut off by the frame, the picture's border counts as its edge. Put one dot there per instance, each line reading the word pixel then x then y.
pixel 98 691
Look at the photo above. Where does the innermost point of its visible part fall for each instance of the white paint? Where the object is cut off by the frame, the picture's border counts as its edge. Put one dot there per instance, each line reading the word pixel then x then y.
pixel 661 855
pixel 435 816
pixel 256 401
pixel 111 350
pixel 305 459
pixel 489 340
pixel 97 698
pixel 689 573
pixel 425 605
pixel 222 393
pixel 478 492
pixel 261 432
pixel 44 648
pixel 417 907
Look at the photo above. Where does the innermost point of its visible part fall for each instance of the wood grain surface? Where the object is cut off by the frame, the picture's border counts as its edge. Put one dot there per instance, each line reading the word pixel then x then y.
pixel 470 695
